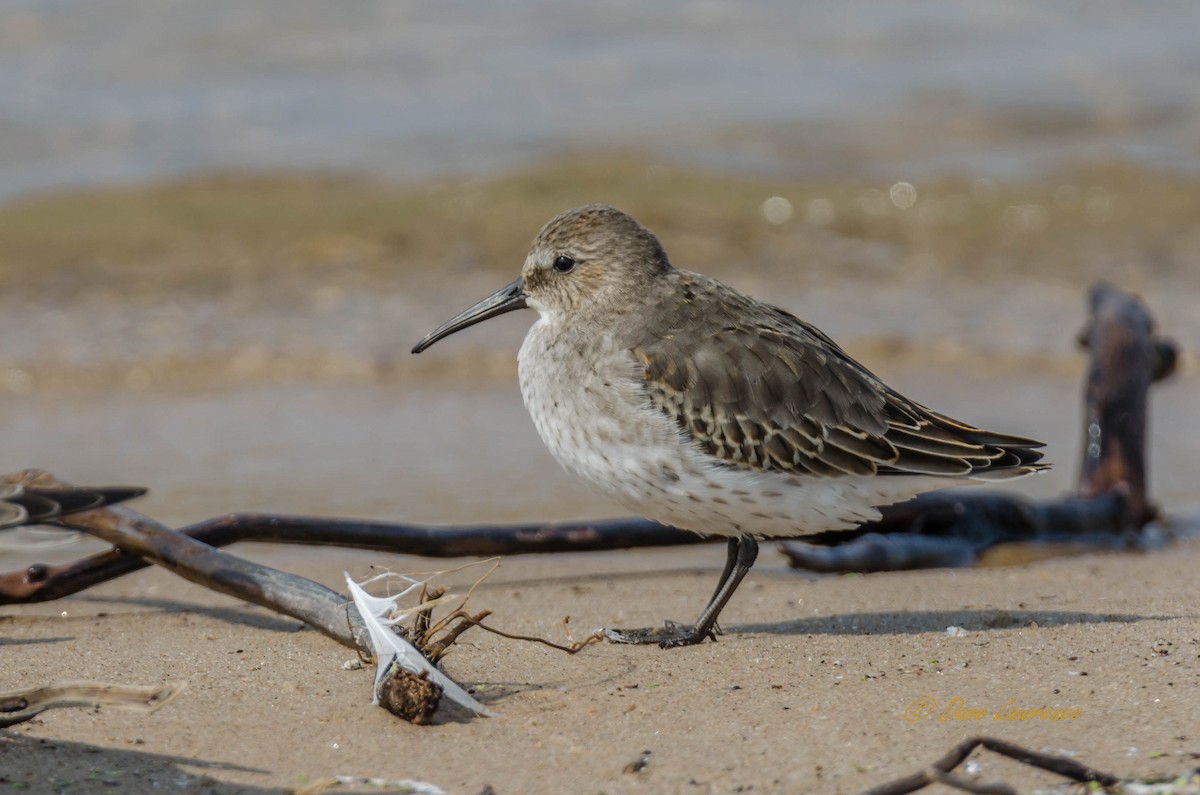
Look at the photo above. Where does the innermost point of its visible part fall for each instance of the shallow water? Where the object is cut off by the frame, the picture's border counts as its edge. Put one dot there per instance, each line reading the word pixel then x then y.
pixel 118 91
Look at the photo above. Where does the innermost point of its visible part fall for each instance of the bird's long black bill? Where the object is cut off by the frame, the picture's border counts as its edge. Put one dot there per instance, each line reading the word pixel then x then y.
pixel 506 299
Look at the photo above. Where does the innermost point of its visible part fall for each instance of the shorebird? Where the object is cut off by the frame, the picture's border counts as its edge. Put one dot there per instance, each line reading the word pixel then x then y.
pixel 702 408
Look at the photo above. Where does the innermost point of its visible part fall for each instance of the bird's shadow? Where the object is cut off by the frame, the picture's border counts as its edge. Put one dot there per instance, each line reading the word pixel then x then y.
pixel 923 621
pixel 44 765
pixel 34 641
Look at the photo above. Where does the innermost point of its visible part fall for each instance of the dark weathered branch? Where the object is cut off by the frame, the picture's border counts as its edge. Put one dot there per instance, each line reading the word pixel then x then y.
pixel 285 593
pixel 950 528
pixel 193 560
pixel 939 771
pixel 40 583
pixel 1112 503
pixel 1126 357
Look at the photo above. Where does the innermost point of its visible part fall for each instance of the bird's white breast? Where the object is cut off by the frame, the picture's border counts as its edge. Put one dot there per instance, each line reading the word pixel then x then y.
pixel 587 402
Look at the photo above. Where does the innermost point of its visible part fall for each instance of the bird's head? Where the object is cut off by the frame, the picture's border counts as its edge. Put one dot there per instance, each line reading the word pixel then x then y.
pixel 581 262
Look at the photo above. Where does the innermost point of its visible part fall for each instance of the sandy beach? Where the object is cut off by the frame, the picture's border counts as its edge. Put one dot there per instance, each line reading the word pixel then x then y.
pixel 223 227
pixel 811 689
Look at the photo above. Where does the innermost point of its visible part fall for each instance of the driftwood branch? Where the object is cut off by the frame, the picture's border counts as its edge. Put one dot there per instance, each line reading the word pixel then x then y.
pixel 1109 509
pixel 940 771
pixel 1126 357
pixel 41 583
pixel 290 594
pixel 945 528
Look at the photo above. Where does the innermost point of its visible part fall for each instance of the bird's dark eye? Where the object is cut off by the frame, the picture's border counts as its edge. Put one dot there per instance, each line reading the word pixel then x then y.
pixel 564 264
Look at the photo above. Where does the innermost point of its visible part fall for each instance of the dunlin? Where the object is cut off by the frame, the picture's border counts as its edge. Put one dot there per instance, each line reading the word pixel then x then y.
pixel 699 407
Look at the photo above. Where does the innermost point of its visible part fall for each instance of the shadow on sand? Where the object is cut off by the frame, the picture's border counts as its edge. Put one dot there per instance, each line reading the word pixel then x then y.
pixel 79 767
pixel 918 622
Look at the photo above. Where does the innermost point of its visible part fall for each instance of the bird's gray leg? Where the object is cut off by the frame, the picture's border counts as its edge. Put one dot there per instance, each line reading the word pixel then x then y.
pixel 741 553
pixel 747 552
pixel 731 554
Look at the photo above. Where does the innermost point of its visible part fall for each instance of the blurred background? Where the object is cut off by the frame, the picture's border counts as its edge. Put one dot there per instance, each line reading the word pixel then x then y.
pixel 223 225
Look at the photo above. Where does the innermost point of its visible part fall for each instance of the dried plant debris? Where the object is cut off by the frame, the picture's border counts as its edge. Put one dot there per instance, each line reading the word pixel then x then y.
pixel 18 706
pixel 407 681
pixel 409 696
pixel 381 615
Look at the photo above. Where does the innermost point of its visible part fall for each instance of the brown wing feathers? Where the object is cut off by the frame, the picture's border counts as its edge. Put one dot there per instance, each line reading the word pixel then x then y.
pixel 774 393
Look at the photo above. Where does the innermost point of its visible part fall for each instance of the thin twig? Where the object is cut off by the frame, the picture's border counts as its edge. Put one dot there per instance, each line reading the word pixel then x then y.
pixel 425 617
pixel 937 772
pixel 438 648
pixel 573 648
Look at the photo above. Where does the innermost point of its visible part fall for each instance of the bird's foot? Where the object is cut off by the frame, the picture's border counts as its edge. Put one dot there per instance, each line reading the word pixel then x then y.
pixel 669 636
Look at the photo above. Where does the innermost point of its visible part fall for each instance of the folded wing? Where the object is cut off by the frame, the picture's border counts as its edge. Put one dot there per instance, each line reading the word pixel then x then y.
pixel 760 389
